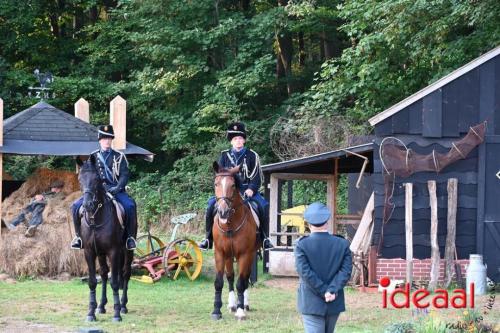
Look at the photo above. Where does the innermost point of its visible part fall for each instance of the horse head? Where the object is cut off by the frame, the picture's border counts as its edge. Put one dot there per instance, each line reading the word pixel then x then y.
pixel 226 191
pixel 90 185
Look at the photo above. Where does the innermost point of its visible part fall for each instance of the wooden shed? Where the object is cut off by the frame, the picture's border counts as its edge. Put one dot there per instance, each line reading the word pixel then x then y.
pixel 432 120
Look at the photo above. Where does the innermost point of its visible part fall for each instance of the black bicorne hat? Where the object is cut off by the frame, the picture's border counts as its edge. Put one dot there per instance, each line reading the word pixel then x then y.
pixel 105 131
pixel 236 129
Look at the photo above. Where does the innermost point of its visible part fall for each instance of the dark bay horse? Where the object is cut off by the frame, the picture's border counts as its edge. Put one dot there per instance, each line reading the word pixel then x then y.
pixel 103 238
pixel 235 237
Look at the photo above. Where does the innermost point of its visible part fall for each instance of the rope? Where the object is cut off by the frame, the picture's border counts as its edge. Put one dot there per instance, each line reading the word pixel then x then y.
pixel 380 150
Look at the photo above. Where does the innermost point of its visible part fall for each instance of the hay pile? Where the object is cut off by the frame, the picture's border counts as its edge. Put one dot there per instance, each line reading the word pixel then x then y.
pixel 48 252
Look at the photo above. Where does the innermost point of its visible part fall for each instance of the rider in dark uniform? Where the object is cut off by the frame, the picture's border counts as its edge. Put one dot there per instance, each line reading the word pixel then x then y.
pixel 248 178
pixel 112 167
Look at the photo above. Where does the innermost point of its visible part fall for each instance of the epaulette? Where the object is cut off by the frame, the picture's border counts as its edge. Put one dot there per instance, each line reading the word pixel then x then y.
pixel 224 151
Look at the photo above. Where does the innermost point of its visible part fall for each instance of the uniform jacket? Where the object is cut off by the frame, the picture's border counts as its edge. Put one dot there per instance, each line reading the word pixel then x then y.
pixel 112 168
pixel 250 172
pixel 324 263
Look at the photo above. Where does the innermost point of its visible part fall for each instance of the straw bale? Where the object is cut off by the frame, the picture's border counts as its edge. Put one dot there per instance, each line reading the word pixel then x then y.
pixel 48 252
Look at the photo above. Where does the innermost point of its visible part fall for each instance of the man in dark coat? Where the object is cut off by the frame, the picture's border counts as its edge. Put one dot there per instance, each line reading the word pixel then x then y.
pixel 36 208
pixel 249 179
pixel 112 167
pixel 324 265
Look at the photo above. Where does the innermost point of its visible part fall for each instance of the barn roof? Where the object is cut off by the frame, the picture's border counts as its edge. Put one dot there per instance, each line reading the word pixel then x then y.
pixel 433 87
pixel 322 163
pixel 45 130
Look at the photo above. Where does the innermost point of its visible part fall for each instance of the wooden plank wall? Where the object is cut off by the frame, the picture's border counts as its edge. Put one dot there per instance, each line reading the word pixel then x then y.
pixel 434 122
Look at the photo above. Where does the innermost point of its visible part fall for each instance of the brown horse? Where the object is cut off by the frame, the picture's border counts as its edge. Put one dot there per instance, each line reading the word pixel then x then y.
pixel 235 237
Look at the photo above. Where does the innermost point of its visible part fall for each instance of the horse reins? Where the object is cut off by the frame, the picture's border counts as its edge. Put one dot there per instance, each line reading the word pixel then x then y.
pixel 90 219
pixel 231 232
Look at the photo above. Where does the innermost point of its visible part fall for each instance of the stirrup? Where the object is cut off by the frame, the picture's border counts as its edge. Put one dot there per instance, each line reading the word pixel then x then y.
pixel 76 243
pixel 269 244
pixel 204 244
pixel 134 245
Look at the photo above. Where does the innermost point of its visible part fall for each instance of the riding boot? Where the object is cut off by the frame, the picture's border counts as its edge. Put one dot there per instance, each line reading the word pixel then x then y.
pixel 207 243
pixel 131 230
pixel 76 243
pixel 264 222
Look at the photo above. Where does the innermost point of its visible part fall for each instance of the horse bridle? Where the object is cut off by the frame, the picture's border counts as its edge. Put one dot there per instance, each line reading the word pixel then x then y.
pixel 90 216
pixel 227 200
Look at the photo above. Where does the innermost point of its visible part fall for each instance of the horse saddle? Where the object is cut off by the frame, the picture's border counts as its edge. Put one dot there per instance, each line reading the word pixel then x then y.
pixel 254 208
pixel 120 212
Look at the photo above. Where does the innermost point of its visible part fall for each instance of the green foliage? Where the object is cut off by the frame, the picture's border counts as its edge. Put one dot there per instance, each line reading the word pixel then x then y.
pixel 187 68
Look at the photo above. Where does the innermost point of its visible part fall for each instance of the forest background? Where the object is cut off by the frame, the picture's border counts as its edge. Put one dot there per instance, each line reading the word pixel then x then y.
pixel 304 75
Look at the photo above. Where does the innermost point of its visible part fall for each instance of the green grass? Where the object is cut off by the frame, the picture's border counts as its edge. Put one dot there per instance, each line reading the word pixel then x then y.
pixel 185 306
pixel 167 306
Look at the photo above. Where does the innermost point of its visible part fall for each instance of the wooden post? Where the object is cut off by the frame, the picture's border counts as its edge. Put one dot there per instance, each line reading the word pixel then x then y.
pixel 82 112
pixel 372 266
pixel 449 253
pixel 118 119
pixel 434 240
pixel 1 164
pixel 273 205
pixel 330 202
pixel 409 231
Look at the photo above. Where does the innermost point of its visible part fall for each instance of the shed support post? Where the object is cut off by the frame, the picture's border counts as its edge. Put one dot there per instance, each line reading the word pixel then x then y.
pixel 449 253
pixel 434 239
pixel 409 231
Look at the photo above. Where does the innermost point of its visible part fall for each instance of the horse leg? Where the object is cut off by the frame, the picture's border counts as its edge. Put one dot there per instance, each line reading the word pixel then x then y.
pixel 218 285
pixel 231 301
pixel 246 300
pixel 103 271
pixel 127 272
pixel 244 267
pixel 90 258
pixel 115 283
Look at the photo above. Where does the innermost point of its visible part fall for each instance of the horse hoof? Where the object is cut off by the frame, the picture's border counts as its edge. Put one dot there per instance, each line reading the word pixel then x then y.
pixel 117 319
pixel 240 314
pixel 124 310
pixel 247 308
pixel 216 316
pixel 91 318
pixel 101 310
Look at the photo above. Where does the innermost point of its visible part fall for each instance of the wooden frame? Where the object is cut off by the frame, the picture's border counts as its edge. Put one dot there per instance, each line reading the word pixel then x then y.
pixel 274 197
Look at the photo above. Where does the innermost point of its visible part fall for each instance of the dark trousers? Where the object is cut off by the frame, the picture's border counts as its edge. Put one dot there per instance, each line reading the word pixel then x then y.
pixel 36 210
pixel 319 324
pixel 130 213
pixel 263 211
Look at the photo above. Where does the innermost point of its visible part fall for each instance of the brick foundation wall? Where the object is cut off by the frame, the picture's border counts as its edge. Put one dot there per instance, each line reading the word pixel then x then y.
pixel 396 269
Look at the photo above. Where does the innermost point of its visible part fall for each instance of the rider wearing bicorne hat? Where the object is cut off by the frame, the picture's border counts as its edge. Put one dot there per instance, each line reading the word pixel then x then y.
pixel 112 167
pixel 249 179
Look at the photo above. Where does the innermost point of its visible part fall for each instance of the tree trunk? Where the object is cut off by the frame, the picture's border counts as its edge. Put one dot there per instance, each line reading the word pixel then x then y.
pixel 93 14
pixel 245 5
pixel 302 50
pixel 54 24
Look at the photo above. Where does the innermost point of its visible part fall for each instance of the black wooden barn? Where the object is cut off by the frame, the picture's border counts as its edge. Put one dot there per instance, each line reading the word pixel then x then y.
pixel 432 119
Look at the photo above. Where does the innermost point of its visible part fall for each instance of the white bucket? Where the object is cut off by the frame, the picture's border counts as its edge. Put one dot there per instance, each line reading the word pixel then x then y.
pixel 476 273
